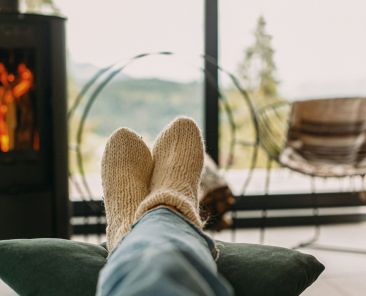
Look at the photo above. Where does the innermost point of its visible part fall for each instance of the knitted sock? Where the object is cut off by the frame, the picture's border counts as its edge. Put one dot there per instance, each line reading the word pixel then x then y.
pixel 126 171
pixel 178 161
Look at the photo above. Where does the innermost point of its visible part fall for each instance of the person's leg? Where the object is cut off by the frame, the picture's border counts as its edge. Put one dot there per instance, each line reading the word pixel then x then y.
pixel 165 253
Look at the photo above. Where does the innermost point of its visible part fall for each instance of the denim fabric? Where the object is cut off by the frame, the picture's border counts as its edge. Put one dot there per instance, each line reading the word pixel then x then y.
pixel 163 255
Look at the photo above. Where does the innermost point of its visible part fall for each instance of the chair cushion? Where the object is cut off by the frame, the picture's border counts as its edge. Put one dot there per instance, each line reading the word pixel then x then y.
pixel 63 267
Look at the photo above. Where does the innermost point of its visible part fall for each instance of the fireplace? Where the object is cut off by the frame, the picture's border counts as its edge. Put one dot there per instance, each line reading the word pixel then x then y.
pixel 33 140
pixel 18 112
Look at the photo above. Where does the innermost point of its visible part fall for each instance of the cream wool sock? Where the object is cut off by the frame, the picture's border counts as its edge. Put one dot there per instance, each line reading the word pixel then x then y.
pixel 126 171
pixel 178 162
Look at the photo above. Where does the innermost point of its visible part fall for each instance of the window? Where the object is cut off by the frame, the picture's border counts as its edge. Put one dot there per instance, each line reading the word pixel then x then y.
pixel 305 49
pixel 148 93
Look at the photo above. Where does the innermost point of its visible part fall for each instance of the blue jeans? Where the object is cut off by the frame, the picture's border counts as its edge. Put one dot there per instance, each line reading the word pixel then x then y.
pixel 163 255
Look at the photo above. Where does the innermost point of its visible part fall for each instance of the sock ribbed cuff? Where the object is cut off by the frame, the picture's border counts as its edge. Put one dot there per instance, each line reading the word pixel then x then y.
pixel 117 236
pixel 176 200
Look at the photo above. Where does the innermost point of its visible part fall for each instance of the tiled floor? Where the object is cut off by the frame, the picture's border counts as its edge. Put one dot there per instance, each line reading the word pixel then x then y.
pixel 345 273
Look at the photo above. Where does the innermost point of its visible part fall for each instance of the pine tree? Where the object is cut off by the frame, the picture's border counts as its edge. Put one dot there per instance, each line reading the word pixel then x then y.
pixel 258 70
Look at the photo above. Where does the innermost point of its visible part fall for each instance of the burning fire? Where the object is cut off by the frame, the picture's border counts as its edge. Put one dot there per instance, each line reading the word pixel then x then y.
pixel 15 109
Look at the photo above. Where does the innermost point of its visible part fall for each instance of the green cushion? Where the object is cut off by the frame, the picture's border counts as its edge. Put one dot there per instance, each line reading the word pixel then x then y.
pixel 62 267
pixel 266 270
pixel 51 266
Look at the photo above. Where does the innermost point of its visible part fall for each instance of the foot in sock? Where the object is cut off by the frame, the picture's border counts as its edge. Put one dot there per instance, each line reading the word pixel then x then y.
pixel 126 171
pixel 178 160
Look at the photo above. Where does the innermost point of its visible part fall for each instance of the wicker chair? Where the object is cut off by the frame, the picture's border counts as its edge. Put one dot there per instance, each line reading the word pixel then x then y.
pixel 319 138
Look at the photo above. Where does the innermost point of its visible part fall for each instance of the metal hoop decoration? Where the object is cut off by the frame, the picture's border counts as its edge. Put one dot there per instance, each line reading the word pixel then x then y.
pixel 118 69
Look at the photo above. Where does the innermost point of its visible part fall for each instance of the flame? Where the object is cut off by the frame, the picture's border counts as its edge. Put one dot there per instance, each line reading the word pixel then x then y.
pixel 13 88
pixel 25 83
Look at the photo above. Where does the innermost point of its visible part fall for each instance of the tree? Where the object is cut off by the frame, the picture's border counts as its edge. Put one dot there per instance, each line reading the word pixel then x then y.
pixel 258 70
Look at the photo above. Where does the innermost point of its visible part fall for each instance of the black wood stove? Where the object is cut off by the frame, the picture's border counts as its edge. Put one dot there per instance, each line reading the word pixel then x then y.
pixel 33 134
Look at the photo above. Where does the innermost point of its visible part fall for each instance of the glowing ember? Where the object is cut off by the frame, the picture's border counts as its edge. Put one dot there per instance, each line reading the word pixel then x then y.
pixel 16 116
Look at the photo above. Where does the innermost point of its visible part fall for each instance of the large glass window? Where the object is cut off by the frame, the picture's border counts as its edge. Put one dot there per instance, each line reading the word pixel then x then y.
pixel 287 50
pixel 148 93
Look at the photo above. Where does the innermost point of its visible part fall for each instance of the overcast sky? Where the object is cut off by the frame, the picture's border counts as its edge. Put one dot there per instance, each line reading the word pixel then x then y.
pixel 320 45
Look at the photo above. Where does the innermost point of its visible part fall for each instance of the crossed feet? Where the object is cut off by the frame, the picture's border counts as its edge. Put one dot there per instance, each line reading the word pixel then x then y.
pixel 136 180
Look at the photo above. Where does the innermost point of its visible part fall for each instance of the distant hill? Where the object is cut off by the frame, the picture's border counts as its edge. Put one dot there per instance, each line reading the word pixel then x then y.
pixel 83 72
pixel 145 105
